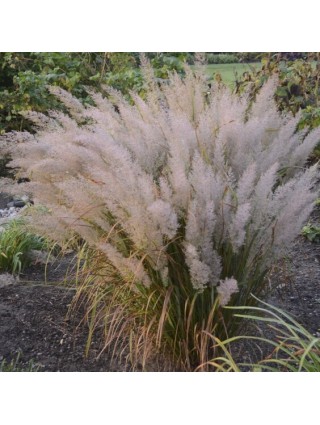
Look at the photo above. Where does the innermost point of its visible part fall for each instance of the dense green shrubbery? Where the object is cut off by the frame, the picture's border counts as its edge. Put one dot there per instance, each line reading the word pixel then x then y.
pixel 216 58
pixel 130 78
pixel 299 85
pixel 25 76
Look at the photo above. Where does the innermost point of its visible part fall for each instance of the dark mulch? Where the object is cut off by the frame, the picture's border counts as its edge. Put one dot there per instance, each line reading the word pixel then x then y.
pixel 35 323
pixel 33 315
pixel 298 290
pixel 297 281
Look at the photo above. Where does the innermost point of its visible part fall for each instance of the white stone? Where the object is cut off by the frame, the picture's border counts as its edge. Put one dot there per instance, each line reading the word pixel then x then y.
pixel 40 257
pixel 7 279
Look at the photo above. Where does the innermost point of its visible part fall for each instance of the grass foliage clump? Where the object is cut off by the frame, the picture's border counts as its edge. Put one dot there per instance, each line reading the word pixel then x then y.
pixel 292 349
pixel 16 243
pixel 15 365
pixel 185 198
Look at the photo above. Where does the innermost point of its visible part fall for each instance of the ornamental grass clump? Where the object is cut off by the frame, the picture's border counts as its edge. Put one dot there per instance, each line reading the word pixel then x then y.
pixel 185 200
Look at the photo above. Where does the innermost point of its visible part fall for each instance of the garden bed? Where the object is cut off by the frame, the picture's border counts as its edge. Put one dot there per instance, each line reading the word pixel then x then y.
pixel 34 323
pixel 34 318
pixel 36 327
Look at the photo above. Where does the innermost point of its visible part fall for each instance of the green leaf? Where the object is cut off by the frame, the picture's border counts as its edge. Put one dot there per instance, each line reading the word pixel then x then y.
pixel 282 92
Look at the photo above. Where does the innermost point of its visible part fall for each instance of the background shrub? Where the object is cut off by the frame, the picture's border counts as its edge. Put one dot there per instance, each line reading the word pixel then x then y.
pixel 298 83
pixel 298 88
pixel 213 58
pixel 25 76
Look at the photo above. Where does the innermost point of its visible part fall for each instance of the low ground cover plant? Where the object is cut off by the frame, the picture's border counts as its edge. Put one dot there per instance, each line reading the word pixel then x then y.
pixel 185 200
pixel 293 348
pixel 311 232
pixel 15 365
pixel 16 244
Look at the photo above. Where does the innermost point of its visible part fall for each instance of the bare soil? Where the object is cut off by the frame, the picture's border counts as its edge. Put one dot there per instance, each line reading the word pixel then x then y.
pixel 34 323
pixel 34 313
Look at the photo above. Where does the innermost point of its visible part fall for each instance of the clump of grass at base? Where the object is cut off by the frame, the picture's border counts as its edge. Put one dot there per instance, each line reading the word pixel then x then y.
pixel 185 201
pixel 15 365
pixel 292 349
pixel 15 244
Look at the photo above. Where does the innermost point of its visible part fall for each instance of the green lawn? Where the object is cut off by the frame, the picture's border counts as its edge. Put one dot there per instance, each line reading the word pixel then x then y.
pixel 228 70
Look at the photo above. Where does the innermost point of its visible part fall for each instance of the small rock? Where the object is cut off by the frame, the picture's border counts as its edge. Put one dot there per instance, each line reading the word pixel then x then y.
pixel 21 201
pixel 23 180
pixel 16 204
pixel 19 204
pixel 7 279
pixel 26 199
pixel 8 213
pixel 40 257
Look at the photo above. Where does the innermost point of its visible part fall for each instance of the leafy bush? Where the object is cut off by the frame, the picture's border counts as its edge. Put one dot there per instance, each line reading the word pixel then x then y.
pixel 25 76
pixel 15 245
pixel 185 198
pixel 298 85
pixel 130 79
pixel 217 58
pixel 250 56
pixel 23 81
